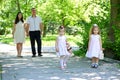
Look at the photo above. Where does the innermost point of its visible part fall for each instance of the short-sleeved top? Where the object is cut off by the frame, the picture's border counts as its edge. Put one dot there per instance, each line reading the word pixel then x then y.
pixel 34 23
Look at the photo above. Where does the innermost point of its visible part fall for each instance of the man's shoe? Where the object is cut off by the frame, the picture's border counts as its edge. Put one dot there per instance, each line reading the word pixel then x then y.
pixel 40 55
pixel 20 56
pixel 33 56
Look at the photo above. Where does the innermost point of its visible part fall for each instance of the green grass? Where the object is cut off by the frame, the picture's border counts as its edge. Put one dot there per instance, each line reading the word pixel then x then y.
pixel 49 40
pixel 118 65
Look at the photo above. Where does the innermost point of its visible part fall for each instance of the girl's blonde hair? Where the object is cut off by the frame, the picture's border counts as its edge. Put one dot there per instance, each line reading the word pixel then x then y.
pixel 92 29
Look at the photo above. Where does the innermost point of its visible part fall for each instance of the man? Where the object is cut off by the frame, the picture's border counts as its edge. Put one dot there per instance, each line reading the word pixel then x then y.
pixel 34 29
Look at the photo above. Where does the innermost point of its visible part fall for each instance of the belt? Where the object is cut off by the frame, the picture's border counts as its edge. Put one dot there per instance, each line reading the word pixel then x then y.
pixel 35 30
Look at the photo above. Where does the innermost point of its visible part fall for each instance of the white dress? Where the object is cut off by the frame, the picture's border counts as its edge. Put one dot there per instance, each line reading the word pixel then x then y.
pixel 19 35
pixel 94 47
pixel 62 46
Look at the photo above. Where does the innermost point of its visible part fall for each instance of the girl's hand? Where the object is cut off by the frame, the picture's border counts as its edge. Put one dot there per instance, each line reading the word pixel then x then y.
pixel 88 49
pixel 57 50
pixel 103 49
pixel 12 35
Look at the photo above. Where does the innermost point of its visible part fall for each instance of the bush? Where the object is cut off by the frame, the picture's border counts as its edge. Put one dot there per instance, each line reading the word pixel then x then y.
pixel 112 48
pixel 116 47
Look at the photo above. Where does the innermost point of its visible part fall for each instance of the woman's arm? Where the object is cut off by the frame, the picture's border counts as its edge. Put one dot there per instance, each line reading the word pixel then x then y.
pixel 56 45
pixel 27 29
pixel 14 28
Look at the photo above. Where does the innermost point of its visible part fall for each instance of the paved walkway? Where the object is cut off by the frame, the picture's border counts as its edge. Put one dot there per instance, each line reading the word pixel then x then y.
pixel 47 67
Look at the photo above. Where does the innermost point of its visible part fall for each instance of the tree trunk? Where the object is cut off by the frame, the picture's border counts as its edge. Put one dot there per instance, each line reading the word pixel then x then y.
pixel 115 18
pixel 44 30
pixel 18 5
pixel 114 22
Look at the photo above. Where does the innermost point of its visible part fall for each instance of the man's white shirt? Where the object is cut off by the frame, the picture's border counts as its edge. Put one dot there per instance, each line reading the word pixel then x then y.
pixel 34 23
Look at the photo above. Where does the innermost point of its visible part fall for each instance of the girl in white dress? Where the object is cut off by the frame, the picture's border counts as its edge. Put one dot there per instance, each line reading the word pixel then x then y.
pixel 94 46
pixel 19 33
pixel 61 48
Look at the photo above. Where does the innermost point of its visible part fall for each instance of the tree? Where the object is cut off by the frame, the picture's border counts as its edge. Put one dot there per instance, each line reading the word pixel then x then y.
pixel 114 28
pixel 18 5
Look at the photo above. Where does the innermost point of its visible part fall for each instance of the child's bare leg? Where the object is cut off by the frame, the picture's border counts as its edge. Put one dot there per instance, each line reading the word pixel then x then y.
pixel 93 62
pixel 62 61
pixel 65 60
pixel 96 60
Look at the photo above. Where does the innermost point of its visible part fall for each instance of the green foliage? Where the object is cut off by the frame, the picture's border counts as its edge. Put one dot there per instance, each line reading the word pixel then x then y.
pixel 48 40
pixel 76 15
pixel 113 47
pixel 54 13
pixel 95 13
pixel 116 44
pixel 118 65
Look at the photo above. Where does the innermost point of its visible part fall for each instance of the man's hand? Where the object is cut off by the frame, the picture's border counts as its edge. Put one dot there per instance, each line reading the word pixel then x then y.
pixel 57 50
pixel 41 32
pixel 27 34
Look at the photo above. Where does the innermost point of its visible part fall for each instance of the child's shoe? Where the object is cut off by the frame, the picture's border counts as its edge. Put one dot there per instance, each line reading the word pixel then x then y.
pixel 96 65
pixel 65 65
pixel 62 68
pixel 92 65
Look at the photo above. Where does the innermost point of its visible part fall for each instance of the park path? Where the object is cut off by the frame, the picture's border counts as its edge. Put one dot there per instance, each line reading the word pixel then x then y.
pixel 47 67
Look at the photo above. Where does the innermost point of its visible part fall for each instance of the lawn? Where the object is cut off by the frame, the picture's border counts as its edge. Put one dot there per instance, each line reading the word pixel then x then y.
pixel 49 40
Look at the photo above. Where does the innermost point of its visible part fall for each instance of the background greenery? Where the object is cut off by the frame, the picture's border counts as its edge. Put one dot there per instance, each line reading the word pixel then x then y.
pixel 76 15
pixel 49 40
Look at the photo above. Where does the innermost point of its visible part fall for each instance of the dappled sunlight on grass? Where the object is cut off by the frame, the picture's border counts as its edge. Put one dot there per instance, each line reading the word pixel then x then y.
pixel 6 39
pixel 49 40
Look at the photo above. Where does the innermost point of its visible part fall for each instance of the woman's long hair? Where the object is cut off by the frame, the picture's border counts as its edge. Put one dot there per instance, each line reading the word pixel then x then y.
pixel 17 19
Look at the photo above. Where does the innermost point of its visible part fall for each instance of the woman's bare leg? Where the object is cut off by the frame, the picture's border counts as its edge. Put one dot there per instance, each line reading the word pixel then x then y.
pixel 19 49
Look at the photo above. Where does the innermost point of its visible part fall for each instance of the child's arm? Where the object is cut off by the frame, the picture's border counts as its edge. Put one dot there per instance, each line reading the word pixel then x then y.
pixel 68 44
pixel 89 42
pixel 56 45
pixel 100 43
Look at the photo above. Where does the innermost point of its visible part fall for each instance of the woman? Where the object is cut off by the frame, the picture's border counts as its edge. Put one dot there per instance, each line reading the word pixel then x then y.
pixel 19 33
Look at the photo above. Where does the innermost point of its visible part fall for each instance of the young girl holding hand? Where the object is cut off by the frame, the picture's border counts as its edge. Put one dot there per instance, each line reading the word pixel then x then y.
pixel 61 49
